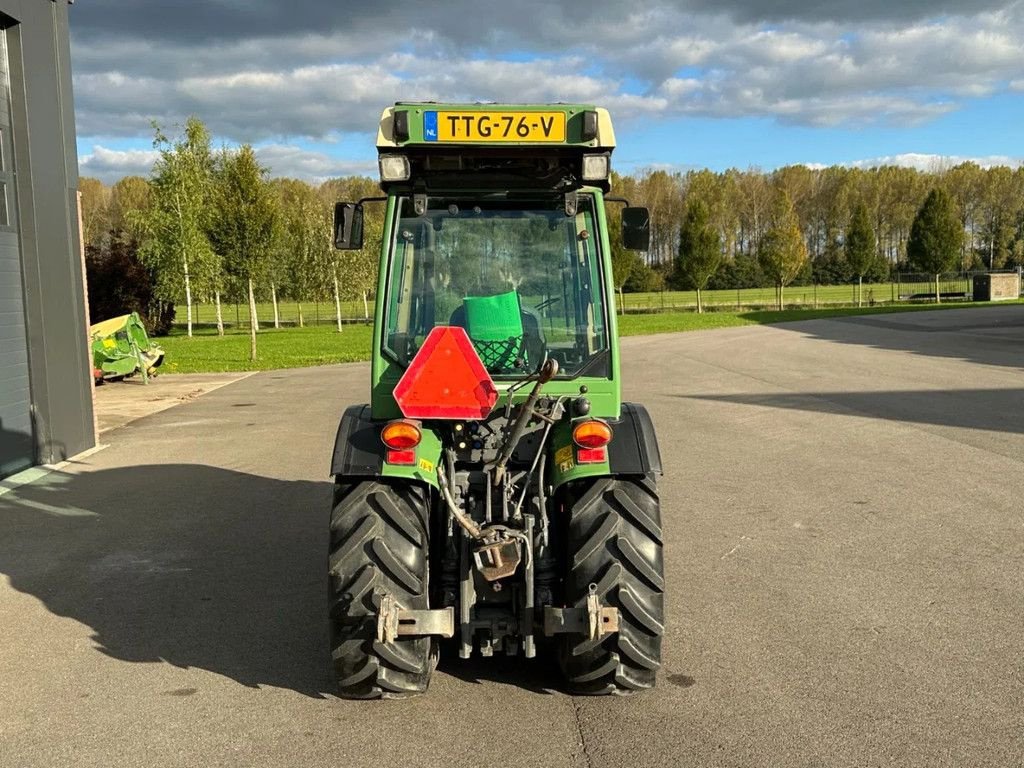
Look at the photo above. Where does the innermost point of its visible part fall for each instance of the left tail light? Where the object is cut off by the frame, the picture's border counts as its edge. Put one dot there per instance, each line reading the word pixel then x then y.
pixel 401 435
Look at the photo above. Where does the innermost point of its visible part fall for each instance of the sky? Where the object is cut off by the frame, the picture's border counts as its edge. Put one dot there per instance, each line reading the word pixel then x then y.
pixel 689 83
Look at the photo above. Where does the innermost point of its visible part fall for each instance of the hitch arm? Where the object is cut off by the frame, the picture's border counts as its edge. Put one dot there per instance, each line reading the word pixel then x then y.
pixel 547 372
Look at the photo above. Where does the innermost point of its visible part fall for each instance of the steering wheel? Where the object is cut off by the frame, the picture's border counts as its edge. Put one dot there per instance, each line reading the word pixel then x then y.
pixel 547 303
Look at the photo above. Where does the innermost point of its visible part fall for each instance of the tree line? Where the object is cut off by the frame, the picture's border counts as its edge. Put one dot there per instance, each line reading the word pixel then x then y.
pixel 211 226
pixel 727 230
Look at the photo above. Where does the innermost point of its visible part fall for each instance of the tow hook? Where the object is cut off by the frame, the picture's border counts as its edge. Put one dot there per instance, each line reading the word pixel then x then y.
pixel 590 618
pixel 498 559
pixel 394 622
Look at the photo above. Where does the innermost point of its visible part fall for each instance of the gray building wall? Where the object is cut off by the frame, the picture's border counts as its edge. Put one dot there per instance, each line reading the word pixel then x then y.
pixel 44 236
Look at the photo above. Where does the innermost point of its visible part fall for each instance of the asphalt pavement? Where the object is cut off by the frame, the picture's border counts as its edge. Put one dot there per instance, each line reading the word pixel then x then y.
pixel 844 517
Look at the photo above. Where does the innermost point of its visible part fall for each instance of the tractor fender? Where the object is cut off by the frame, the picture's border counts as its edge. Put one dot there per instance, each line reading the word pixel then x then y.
pixel 634 449
pixel 359 452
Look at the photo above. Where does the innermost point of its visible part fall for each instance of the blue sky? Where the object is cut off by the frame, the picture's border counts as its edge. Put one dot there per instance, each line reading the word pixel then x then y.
pixel 690 83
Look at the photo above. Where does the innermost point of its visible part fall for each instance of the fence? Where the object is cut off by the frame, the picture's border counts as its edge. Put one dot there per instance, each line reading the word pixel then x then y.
pixel 755 298
pixel 951 285
pixel 312 313
pixel 905 287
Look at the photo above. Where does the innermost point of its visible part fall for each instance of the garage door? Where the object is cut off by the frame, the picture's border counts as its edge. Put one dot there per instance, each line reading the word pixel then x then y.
pixel 16 443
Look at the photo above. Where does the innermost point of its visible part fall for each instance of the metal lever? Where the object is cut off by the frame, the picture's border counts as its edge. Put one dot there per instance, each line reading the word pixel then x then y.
pixel 547 372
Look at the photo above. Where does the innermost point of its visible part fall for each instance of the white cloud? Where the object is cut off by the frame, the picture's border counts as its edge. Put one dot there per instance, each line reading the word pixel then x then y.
pixel 290 161
pixel 935 163
pixel 314 167
pixel 328 70
pixel 109 165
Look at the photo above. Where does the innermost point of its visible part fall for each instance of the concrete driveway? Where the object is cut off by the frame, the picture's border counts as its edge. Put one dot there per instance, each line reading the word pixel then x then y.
pixel 845 562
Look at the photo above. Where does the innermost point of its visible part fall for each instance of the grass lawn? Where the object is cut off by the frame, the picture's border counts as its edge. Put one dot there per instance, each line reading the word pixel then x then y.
pixel 284 348
pixel 323 345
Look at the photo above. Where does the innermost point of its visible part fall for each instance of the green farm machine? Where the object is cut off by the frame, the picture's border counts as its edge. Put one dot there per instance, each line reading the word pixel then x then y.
pixel 496 491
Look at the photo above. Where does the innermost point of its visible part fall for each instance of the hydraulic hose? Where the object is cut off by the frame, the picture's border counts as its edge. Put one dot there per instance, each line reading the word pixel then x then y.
pixel 461 517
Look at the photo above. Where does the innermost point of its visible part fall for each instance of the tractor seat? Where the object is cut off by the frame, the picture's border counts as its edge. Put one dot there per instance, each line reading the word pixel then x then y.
pixel 502 330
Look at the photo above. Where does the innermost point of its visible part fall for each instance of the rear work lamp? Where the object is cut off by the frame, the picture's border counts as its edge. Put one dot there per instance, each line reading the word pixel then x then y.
pixel 394 168
pixel 595 167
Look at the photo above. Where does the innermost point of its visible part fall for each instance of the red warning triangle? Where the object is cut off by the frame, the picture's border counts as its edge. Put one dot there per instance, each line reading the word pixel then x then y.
pixel 446 379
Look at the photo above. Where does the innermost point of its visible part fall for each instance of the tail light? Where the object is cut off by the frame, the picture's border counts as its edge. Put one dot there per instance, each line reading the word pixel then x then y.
pixel 401 435
pixel 592 433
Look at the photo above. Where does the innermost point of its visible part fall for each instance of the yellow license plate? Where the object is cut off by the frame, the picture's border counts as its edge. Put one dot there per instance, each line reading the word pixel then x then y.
pixel 494 126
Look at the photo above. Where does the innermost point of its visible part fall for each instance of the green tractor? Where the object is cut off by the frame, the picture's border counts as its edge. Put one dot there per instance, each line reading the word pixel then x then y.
pixel 496 491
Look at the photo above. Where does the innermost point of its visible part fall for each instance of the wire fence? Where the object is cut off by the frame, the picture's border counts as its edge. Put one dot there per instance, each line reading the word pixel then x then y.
pixel 905 287
pixel 289 313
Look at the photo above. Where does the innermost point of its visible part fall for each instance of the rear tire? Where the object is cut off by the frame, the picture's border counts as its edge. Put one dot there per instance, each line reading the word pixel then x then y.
pixel 614 541
pixel 379 545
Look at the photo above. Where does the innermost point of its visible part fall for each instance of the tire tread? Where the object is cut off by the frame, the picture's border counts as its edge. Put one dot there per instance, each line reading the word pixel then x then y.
pixel 615 542
pixel 378 546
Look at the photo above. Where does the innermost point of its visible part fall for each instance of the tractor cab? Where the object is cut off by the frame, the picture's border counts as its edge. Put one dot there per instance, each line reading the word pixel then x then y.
pixel 522 278
pixel 496 224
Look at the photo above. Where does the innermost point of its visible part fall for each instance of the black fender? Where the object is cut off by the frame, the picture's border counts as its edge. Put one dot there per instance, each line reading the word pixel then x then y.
pixel 358 451
pixel 634 447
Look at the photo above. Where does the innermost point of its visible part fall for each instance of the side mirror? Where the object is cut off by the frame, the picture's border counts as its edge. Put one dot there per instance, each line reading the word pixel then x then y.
pixel 636 229
pixel 348 226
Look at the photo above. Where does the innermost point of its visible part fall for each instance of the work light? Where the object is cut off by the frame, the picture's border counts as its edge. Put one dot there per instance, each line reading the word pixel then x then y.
pixel 595 167
pixel 394 168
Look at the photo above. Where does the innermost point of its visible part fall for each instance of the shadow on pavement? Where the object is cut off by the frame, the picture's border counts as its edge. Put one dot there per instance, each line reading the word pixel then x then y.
pixel 188 564
pixel 538 675
pixel 199 567
pixel 985 335
pixel 995 410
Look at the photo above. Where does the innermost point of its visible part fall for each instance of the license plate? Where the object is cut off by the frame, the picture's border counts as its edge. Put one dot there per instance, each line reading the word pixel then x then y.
pixel 494 126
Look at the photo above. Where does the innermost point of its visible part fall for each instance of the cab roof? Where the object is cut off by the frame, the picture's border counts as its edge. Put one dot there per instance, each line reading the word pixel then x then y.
pixel 496 145
pixel 439 126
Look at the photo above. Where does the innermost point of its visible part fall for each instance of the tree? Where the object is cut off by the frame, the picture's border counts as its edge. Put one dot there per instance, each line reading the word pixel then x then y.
pixel 96 200
pixel 120 283
pixel 304 238
pixel 860 246
pixel 753 202
pixel 661 192
pixel 782 252
pixel 624 261
pixel 1001 206
pixel 935 237
pixel 175 225
pixel 700 248
pixel 965 184
pixel 358 269
pixel 131 197
pixel 243 230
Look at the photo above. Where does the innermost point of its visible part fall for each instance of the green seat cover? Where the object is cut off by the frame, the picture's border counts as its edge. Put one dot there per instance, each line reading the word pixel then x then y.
pixel 495 326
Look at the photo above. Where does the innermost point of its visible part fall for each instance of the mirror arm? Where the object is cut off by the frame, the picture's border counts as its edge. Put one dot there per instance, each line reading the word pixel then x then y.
pixel 617 199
